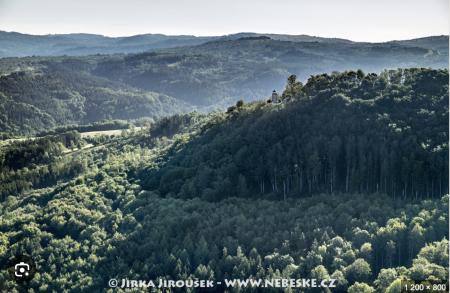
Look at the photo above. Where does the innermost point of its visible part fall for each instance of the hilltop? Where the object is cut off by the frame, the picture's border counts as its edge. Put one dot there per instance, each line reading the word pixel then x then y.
pixel 346 132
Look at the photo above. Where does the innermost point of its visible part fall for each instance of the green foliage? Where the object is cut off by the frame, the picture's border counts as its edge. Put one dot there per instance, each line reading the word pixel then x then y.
pixel 170 237
pixel 360 288
pixel 345 132
pixel 395 287
pixel 431 262
pixel 56 96
pixel 385 279
pixel 39 162
pixel 258 193
pixel 359 270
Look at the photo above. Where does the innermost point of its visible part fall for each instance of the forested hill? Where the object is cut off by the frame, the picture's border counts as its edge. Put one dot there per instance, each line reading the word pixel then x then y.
pixel 14 44
pixel 346 132
pixel 39 93
pixel 45 96
pixel 263 190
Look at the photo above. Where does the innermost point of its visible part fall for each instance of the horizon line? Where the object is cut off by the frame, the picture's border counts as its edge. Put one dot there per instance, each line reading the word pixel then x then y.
pixel 212 36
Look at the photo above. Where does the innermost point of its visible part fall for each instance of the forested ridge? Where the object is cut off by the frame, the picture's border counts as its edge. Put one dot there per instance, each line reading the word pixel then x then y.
pixel 346 178
pixel 38 162
pixel 42 92
pixel 251 66
pixel 345 132
pixel 15 44
pixel 45 95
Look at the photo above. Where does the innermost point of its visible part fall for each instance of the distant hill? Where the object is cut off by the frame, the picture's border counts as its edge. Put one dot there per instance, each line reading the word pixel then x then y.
pixel 250 66
pixel 281 37
pixel 438 43
pixel 31 102
pixel 13 44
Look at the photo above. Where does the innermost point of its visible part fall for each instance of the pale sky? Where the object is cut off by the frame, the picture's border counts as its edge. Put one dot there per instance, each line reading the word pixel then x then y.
pixel 359 20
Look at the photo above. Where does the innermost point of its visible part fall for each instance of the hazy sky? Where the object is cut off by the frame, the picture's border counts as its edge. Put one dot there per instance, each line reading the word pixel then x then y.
pixel 360 20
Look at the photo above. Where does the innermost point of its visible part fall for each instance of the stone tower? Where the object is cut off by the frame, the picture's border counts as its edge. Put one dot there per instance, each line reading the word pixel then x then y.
pixel 275 98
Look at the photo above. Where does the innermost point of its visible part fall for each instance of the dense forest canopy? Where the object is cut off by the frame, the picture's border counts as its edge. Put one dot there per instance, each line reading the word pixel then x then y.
pixel 345 178
pixel 346 132
pixel 49 96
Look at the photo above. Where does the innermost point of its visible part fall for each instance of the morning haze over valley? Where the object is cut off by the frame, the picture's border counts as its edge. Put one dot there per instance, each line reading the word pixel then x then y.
pixel 210 150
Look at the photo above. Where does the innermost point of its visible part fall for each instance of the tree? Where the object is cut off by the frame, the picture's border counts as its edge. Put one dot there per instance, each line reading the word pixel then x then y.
pixel 359 270
pixel 320 273
pixel 204 272
pixel 231 109
pixel 366 252
pixel 395 287
pixel 385 279
pixel 360 288
pixel 341 281
pixel 293 87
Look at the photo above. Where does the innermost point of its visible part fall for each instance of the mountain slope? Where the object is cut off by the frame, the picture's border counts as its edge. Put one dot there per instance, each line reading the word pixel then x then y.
pixel 439 43
pixel 35 101
pixel 345 132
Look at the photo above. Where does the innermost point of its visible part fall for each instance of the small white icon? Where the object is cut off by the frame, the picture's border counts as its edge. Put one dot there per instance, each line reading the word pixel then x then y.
pixel 21 269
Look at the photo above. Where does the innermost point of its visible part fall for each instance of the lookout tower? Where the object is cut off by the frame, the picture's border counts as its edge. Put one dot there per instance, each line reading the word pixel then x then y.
pixel 275 98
